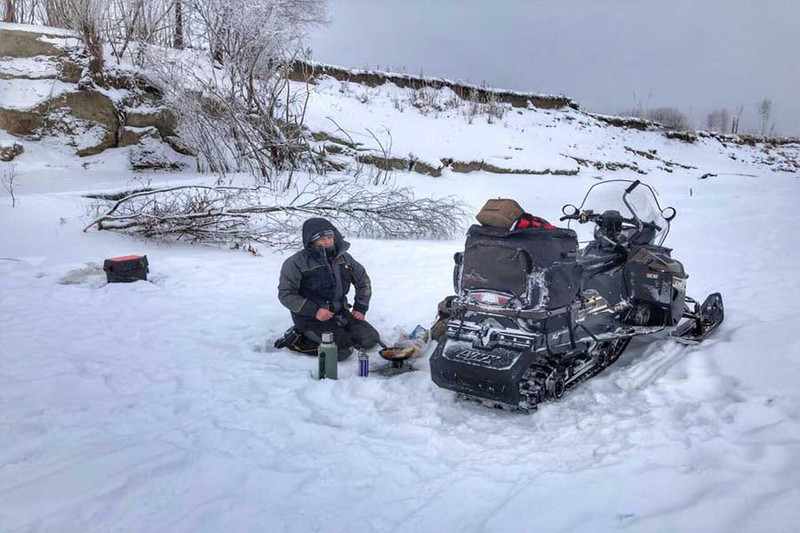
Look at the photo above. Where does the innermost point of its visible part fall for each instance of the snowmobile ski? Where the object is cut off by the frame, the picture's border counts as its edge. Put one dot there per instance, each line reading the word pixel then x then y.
pixel 702 321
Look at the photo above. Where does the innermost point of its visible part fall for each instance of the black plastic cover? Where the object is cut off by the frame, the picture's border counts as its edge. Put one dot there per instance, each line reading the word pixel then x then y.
pixel 539 265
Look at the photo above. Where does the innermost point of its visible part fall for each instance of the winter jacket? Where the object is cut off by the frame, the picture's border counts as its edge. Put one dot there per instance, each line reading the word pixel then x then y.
pixel 310 281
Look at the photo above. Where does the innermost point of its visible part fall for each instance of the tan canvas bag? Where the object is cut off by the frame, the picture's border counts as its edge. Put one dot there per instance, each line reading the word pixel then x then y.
pixel 499 213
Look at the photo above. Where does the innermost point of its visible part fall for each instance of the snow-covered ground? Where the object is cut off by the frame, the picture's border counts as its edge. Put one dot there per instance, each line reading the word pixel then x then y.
pixel 162 406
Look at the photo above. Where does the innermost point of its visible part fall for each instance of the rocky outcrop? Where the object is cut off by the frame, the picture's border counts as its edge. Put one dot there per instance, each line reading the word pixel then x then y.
pixel 88 117
pixel 606 165
pixel 9 150
pixel 311 71
pixel 685 136
pixel 332 144
pixel 70 71
pixel 129 136
pixel 653 156
pixel 20 122
pixel 40 96
pixel 422 167
pixel 177 144
pixel 159 118
pixel 625 122
pixel 28 41
pixel 476 166
pixel 91 105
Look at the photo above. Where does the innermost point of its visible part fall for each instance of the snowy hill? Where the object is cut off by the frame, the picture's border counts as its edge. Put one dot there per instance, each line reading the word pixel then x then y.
pixel 162 405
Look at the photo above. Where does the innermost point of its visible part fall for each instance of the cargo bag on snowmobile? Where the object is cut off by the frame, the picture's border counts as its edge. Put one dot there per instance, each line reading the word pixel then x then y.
pixel 127 268
pixel 499 213
pixel 538 266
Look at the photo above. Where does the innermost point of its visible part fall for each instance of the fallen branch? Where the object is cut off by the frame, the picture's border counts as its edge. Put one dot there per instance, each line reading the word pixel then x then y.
pixel 238 215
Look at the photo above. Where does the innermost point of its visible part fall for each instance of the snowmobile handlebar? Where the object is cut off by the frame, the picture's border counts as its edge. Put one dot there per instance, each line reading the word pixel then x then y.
pixel 597 218
pixel 583 217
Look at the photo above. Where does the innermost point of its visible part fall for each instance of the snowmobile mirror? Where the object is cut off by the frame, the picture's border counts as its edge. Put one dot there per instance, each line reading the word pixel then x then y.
pixel 569 210
pixel 668 213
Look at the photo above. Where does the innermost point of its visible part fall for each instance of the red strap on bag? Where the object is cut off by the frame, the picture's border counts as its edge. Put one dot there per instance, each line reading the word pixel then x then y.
pixel 526 220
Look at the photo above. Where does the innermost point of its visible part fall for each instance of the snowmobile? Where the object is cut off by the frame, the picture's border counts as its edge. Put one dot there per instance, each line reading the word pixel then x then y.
pixel 535 314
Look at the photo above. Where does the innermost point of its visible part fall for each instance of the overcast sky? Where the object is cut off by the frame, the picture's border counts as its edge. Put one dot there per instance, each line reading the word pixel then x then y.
pixel 692 54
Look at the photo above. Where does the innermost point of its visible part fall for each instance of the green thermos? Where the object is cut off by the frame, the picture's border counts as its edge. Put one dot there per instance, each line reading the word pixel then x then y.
pixel 328 359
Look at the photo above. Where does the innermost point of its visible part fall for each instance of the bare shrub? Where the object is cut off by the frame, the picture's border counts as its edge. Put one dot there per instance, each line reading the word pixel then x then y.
pixel 452 100
pixel 232 135
pixel 487 104
pixel 670 117
pixel 473 107
pixel 427 100
pixel 7 177
pixel 383 172
pixel 242 115
pixel 493 109
pixel 397 102
pixel 366 96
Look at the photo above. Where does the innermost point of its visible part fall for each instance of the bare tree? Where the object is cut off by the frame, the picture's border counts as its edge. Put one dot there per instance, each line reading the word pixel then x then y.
pixel 177 35
pixel 11 11
pixel 88 18
pixel 765 114
pixel 737 120
pixel 22 11
pixel 55 13
pixel 122 26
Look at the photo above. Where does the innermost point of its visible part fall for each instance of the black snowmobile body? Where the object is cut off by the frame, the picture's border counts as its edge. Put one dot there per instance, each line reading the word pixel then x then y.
pixel 534 314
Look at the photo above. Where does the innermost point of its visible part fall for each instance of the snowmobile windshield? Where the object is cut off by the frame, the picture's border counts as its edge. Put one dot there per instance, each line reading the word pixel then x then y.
pixel 642 202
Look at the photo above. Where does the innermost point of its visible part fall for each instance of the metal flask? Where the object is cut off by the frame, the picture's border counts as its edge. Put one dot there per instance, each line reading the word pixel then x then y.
pixel 328 358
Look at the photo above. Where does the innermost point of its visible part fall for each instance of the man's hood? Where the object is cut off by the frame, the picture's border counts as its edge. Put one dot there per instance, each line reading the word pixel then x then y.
pixel 313 226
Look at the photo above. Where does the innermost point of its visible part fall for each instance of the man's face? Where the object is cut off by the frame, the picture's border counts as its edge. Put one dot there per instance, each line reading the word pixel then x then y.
pixel 324 242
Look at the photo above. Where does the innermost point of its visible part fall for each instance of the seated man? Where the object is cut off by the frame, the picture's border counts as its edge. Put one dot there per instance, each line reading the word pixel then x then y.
pixel 314 285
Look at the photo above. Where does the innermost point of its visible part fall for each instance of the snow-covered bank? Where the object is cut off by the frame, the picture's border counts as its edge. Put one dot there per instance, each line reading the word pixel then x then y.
pixel 440 129
pixel 161 405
